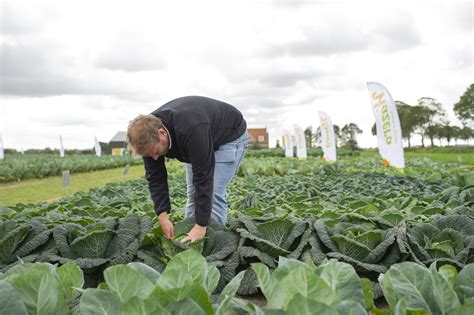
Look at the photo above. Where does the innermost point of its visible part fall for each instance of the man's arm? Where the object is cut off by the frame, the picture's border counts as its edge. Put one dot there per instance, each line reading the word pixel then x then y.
pixel 158 184
pixel 200 149
pixel 157 178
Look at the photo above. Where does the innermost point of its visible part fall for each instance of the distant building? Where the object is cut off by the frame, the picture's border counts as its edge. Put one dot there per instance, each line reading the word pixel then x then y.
pixel 118 143
pixel 258 137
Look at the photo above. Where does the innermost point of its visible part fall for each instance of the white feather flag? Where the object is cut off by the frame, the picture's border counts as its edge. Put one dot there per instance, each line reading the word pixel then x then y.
pixel 389 132
pixel 98 149
pixel 328 142
pixel 300 142
pixel 61 148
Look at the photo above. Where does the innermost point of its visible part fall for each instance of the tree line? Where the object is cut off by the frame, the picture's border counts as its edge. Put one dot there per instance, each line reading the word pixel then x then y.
pixel 106 149
pixel 344 137
pixel 427 118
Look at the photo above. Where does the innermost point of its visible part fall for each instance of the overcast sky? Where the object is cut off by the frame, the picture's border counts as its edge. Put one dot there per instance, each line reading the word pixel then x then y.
pixel 85 68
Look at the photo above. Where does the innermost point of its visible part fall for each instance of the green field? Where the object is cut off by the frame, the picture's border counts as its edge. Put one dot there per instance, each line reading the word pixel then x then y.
pixel 460 156
pixel 359 236
pixel 51 188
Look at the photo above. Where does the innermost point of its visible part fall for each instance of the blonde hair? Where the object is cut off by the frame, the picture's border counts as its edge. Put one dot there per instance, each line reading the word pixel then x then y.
pixel 143 131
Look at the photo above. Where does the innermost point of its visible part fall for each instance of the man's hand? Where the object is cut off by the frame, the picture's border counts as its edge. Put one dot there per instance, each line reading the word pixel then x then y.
pixel 196 233
pixel 166 225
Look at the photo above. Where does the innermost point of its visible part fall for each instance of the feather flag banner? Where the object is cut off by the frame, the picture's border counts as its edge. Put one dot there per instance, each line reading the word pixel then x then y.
pixel 61 146
pixel 288 143
pixel 328 142
pixel 389 132
pixel 2 153
pixel 98 149
pixel 300 142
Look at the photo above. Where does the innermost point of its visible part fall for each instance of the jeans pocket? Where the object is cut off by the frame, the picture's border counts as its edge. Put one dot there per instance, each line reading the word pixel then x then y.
pixel 245 142
pixel 225 154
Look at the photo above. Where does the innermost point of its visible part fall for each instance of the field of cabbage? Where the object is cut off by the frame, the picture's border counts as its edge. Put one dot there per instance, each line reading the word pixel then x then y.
pixel 30 166
pixel 304 236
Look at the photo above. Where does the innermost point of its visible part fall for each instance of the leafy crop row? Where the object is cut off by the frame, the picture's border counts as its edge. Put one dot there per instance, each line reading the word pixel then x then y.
pixel 188 284
pixel 369 220
pixel 19 167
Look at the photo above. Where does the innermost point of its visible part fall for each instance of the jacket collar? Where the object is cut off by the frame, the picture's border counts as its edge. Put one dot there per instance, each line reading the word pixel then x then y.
pixel 169 136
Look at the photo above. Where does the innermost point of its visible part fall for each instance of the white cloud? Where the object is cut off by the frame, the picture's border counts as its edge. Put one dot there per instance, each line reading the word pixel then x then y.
pixel 86 68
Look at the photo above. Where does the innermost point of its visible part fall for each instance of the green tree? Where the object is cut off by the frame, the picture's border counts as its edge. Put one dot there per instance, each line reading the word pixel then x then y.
pixel 308 135
pixel 337 134
pixel 434 114
pixel 420 117
pixel 317 136
pixel 441 132
pixel 10 151
pixel 466 134
pixel 105 147
pixel 349 133
pixel 408 120
pixel 456 134
pixel 464 108
pixel 447 132
pixel 435 132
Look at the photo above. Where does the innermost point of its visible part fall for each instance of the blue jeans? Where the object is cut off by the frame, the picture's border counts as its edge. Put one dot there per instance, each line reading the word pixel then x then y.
pixel 228 158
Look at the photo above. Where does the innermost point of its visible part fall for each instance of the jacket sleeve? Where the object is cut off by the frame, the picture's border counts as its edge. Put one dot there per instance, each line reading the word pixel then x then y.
pixel 198 145
pixel 157 178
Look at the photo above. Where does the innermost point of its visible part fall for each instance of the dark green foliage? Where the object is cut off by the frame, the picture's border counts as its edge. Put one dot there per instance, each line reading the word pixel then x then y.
pixel 464 108
pixel 18 239
pixel 21 167
pixel 359 213
pixel 449 239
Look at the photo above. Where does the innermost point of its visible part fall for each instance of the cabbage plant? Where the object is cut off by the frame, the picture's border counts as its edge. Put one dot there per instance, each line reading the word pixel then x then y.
pixel 410 288
pixel 299 288
pixel 449 239
pixel 40 288
pixel 362 244
pixel 185 286
pixel 18 240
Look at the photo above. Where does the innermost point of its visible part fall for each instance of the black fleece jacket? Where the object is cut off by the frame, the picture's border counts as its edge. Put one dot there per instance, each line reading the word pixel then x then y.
pixel 197 126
